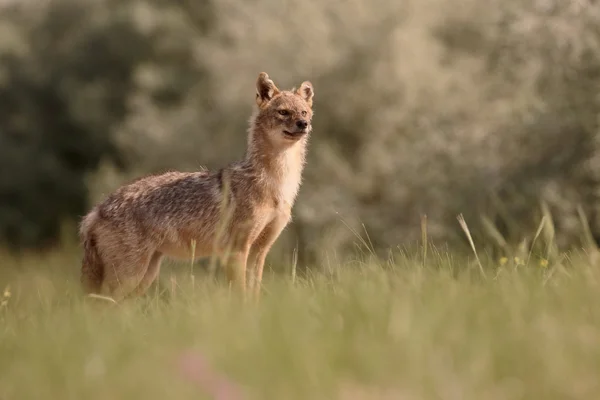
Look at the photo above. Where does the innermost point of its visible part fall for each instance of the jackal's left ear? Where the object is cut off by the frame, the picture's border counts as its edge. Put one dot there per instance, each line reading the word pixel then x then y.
pixel 307 92
pixel 265 89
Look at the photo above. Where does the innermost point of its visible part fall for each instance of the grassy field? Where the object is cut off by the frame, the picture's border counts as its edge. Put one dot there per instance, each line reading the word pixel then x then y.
pixel 403 329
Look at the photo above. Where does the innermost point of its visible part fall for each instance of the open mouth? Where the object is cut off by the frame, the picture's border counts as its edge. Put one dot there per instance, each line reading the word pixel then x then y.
pixel 294 135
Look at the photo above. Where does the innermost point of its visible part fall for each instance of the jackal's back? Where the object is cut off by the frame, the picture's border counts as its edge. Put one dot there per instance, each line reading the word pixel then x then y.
pixel 168 208
pixel 158 198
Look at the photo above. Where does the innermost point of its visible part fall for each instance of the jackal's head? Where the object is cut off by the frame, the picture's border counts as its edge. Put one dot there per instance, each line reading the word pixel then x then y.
pixel 284 116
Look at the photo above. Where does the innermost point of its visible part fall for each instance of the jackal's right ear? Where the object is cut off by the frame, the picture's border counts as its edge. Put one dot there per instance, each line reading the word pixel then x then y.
pixel 307 92
pixel 265 89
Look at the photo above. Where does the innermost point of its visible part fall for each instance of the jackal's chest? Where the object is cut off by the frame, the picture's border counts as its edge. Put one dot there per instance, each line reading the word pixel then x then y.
pixel 286 195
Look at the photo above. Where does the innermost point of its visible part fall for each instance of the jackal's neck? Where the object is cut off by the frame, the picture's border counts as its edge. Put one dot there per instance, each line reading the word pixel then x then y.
pixel 279 171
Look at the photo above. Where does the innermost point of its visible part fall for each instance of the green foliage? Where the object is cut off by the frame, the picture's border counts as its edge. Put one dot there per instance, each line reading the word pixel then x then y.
pixel 489 110
pixel 545 57
pixel 68 72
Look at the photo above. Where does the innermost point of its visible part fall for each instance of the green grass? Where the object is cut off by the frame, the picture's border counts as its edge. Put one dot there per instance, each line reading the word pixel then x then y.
pixel 399 330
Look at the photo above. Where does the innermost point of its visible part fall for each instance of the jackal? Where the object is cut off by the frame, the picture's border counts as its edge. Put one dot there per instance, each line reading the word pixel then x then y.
pixel 235 213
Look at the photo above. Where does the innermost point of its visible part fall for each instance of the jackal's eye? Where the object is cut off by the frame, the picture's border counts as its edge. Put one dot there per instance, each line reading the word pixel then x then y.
pixel 304 113
pixel 285 113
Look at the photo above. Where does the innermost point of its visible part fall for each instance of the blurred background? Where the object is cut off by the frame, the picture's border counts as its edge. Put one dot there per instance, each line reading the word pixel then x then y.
pixel 436 107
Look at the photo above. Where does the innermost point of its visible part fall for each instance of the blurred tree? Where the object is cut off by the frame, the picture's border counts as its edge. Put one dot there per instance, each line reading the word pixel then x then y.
pixel 67 72
pixel 481 108
pixel 545 56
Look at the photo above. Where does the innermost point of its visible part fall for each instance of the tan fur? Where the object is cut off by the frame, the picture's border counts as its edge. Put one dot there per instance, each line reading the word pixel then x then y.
pixel 235 213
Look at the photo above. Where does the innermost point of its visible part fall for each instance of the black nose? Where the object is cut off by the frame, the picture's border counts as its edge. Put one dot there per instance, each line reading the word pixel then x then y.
pixel 302 124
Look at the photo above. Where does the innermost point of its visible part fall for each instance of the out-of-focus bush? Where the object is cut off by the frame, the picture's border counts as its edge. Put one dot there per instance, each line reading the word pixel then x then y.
pixel 539 72
pixel 422 107
pixel 70 76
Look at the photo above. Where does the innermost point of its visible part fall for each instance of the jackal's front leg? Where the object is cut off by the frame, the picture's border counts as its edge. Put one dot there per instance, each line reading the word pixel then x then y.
pixel 236 270
pixel 260 249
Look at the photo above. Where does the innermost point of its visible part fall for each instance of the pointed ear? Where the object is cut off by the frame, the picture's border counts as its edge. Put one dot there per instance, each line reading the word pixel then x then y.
pixel 307 92
pixel 265 89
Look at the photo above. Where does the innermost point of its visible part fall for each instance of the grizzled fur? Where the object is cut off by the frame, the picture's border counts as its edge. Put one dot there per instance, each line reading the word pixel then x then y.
pixel 235 213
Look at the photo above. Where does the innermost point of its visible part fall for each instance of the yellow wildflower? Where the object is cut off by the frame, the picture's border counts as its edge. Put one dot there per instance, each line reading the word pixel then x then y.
pixel 503 260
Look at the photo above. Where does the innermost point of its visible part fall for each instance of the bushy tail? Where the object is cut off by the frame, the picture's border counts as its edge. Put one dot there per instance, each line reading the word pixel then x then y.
pixel 92 268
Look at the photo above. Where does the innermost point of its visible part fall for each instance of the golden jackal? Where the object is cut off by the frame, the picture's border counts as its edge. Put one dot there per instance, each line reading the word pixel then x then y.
pixel 235 213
